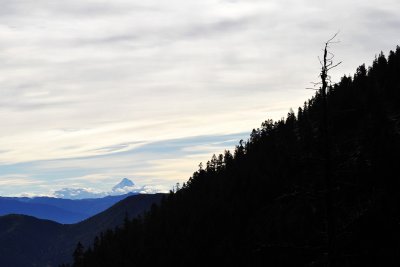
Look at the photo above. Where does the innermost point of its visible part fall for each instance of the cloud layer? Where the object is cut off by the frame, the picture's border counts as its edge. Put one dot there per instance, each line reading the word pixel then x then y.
pixel 96 90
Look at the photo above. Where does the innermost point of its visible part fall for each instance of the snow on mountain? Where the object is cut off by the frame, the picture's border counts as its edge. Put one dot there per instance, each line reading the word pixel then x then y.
pixel 125 186
pixel 124 183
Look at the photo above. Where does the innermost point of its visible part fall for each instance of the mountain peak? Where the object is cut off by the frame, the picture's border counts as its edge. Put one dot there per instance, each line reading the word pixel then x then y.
pixel 124 183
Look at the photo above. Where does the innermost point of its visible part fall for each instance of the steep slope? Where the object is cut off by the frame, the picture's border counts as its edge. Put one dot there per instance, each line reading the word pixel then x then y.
pixel 265 205
pixel 27 241
pixel 109 219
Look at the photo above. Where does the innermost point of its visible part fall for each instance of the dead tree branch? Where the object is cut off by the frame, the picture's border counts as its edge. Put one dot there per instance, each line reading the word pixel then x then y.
pixel 328 64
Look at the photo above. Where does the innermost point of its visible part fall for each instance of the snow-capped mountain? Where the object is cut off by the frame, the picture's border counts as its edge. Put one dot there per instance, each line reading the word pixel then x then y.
pixel 121 185
pixel 125 186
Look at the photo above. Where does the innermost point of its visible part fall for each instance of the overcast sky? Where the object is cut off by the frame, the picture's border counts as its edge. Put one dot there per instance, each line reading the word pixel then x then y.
pixel 93 91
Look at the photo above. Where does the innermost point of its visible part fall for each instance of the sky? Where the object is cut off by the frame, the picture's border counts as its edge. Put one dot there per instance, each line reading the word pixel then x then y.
pixel 94 91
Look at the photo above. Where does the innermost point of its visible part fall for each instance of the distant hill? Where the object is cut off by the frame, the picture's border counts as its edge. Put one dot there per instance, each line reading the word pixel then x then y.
pixel 27 241
pixel 266 203
pixel 57 209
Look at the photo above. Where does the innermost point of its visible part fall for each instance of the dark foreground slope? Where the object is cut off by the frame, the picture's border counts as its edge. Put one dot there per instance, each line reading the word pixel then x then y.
pixel 27 241
pixel 265 205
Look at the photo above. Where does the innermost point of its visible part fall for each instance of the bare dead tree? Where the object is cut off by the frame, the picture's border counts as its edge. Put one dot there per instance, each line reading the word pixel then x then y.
pixel 327 64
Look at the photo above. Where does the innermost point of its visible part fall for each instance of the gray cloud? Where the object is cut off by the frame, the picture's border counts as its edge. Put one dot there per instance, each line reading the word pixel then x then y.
pixel 222 27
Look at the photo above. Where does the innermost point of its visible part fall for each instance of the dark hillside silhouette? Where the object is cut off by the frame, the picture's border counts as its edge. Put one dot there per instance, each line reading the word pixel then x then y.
pixel 264 205
pixel 28 241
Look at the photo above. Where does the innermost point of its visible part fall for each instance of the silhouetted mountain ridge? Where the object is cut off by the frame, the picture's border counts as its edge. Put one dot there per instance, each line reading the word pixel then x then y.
pixel 279 217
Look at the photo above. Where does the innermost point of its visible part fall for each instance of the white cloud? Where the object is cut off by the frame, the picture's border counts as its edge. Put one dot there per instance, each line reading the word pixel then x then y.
pixel 79 193
pixel 17 180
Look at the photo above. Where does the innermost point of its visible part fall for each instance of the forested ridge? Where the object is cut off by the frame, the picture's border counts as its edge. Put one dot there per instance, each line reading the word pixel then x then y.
pixel 264 203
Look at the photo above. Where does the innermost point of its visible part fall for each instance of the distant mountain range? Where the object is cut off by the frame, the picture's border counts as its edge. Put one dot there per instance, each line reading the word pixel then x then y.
pixel 65 210
pixel 60 210
pixel 27 241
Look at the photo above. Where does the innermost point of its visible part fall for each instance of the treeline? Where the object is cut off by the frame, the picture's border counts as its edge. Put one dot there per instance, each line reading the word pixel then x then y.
pixel 265 202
